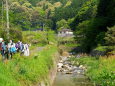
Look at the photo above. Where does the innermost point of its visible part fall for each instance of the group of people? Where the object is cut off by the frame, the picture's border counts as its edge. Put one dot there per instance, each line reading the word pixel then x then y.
pixel 8 49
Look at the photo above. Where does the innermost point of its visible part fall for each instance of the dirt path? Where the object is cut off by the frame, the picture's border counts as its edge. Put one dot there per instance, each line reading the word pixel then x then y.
pixel 36 50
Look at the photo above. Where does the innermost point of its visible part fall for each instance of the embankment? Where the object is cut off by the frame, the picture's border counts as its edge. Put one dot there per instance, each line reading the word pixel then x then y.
pixel 28 71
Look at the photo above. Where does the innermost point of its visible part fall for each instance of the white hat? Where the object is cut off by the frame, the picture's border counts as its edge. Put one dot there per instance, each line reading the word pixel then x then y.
pixel 1 39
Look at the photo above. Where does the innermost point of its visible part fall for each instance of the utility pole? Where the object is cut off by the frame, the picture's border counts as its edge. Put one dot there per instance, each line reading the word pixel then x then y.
pixel 7 19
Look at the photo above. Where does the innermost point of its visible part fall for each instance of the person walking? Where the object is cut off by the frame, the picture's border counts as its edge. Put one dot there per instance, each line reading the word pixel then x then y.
pixel 3 51
pixel 17 46
pixel 21 48
pixel 11 49
pixel 26 50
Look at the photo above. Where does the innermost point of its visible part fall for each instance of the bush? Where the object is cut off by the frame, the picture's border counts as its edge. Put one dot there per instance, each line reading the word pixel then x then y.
pixel 110 36
pixel 100 38
pixel 101 48
pixel 100 71
pixel 15 34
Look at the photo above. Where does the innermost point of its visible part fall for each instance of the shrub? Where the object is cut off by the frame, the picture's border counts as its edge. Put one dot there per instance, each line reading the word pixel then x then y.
pixel 100 71
pixel 110 36
pixel 14 34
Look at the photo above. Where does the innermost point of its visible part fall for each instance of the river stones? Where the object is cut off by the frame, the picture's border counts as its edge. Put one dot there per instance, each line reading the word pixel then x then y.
pixel 67 67
pixel 81 66
pixel 68 72
pixel 60 65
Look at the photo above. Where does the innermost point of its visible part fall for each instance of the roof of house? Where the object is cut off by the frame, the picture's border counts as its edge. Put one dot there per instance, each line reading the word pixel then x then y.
pixel 64 30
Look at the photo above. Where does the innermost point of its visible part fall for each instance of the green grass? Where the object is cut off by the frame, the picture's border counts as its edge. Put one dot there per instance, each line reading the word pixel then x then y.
pixel 101 71
pixel 39 38
pixel 101 48
pixel 72 45
pixel 22 71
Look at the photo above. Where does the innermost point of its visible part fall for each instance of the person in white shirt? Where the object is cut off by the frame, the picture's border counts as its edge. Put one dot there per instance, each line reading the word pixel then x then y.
pixel 26 50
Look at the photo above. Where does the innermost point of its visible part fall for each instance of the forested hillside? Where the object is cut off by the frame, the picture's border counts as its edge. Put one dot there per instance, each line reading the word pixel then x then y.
pixel 91 23
pixel 89 19
pixel 34 14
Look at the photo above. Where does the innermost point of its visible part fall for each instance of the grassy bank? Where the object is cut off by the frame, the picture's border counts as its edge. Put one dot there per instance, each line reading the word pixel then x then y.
pixel 101 71
pixel 26 71
pixel 23 71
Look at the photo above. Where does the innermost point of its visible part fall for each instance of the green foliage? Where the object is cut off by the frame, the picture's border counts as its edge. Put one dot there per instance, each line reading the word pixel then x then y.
pixel 91 22
pixel 102 48
pixel 85 35
pixel 35 37
pixel 17 34
pixel 106 10
pixel 110 36
pixel 62 24
pixel 51 37
pixel 86 12
pixel 39 37
pixel 100 71
pixel 100 38
pixel 36 13
pixel 6 78
pixel 68 11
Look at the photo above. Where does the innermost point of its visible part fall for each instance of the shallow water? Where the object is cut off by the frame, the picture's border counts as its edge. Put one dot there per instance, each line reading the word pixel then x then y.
pixel 71 80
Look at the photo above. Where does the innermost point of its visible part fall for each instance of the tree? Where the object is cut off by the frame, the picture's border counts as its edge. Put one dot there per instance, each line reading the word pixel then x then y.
pixel 106 12
pixel 7 17
pixel 86 12
pixel 62 24
pixel 110 36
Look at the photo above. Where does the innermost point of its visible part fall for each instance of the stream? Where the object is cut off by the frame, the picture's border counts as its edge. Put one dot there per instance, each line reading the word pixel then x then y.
pixel 69 75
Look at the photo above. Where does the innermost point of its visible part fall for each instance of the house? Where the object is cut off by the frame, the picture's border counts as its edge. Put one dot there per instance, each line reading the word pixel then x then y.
pixel 65 32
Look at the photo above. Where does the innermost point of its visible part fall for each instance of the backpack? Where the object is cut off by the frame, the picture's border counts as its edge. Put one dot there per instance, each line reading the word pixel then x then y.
pixel 13 50
pixel 17 45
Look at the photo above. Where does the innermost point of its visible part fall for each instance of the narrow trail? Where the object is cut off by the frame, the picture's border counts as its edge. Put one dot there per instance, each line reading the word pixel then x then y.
pixel 37 49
